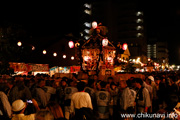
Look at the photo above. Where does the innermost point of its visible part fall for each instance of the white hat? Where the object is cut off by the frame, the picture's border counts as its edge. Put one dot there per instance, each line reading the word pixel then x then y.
pixel 18 105
pixel 151 78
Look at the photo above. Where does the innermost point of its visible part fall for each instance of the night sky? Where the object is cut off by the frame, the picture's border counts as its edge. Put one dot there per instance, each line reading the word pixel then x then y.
pixel 53 18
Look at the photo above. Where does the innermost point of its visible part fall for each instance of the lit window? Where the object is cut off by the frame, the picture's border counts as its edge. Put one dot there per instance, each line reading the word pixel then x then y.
pixel 139 21
pixel 87 31
pixel 139 13
pixel 87 24
pixel 139 28
pixel 87 12
pixel 86 37
pixel 139 35
pixel 81 34
pixel 87 5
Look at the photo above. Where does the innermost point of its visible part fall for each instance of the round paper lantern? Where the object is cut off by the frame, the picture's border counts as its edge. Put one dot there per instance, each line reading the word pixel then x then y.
pixel 71 44
pixel 125 46
pixel 54 54
pixel 64 56
pixel 44 51
pixel 19 43
pixel 105 42
pixel 72 57
pixel 94 25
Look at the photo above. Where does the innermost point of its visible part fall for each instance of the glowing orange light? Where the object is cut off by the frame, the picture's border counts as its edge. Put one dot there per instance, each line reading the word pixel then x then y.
pixel 55 54
pixel 44 51
pixel 64 56
pixel 19 43
pixel 72 57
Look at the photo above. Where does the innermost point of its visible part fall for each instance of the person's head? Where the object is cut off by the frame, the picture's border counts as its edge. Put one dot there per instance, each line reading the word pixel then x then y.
pixel 110 79
pixel 70 82
pixel 122 84
pixel 18 106
pixel 44 114
pixel 103 84
pixel 81 85
pixel 41 82
pixel 95 77
pixel 113 85
pixel 55 109
pixel 90 82
pixel 138 82
pixel 63 83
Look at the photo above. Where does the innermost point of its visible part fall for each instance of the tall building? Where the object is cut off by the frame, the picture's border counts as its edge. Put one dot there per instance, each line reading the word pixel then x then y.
pixel 158 51
pixel 125 23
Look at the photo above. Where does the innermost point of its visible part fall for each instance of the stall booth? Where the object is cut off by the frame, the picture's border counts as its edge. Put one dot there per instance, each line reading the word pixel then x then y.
pixel 26 68
pixel 63 71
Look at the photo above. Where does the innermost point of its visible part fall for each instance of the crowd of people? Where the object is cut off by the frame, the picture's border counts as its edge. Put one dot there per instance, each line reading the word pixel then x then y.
pixel 42 97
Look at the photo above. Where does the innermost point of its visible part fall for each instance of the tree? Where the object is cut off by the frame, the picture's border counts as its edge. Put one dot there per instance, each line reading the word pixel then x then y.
pixel 9 51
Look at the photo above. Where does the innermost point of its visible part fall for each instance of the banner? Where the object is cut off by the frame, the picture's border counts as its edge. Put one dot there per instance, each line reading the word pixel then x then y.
pixel 74 69
pixel 29 67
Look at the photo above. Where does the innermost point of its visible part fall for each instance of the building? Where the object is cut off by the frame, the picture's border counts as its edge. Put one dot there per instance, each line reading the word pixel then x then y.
pixel 158 52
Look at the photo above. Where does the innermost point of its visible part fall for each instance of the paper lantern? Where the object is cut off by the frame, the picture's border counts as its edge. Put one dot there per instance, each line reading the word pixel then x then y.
pixel 94 25
pixel 44 51
pixel 64 56
pixel 105 42
pixel 71 44
pixel 125 46
pixel 19 43
pixel 72 57
pixel 54 54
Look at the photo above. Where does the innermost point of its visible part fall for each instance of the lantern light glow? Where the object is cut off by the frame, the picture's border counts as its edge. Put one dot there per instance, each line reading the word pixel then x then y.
pixel 64 56
pixel 44 51
pixel 19 43
pixel 55 54
pixel 94 25
pixel 105 42
pixel 125 46
pixel 72 57
pixel 71 44
pixel 33 48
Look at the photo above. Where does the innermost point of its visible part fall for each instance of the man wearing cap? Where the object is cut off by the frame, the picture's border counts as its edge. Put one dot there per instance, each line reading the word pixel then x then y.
pixel 18 108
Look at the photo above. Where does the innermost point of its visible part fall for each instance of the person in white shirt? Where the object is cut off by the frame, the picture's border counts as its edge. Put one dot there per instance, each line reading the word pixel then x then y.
pixel 81 104
pixel 5 107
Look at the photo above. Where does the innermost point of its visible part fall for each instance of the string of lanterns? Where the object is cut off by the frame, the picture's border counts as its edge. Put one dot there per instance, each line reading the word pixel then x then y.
pixel 70 43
